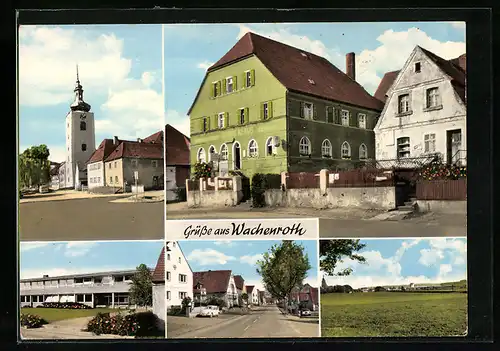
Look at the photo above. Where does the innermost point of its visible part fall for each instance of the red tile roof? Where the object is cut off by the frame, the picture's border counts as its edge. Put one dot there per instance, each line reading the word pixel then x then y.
pixel 156 138
pixel 250 289
pixel 102 151
pixel 455 68
pixel 239 282
pixel 159 271
pixel 213 281
pixel 135 149
pixel 294 70
pixel 177 147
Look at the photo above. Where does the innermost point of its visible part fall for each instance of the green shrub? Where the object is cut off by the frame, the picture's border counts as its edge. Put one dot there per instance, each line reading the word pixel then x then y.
pixel 148 324
pixel 181 194
pixel 104 323
pixel 31 320
pixel 202 170
pixel 174 311
pixel 261 183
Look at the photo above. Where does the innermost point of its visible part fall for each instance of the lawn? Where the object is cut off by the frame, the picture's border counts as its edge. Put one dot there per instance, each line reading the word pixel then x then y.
pixel 393 314
pixel 58 314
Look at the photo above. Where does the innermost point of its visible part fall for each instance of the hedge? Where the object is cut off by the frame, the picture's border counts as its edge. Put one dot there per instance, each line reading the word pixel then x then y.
pixel 31 320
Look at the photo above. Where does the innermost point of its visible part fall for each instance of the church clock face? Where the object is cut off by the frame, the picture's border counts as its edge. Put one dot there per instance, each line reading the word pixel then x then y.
pixel 83 116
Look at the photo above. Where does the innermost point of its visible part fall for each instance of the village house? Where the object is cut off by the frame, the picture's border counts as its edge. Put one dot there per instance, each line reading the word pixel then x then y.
pixel 240 287
pixel 218 284
pixel 178 168
pixel 253 295
pixel 306 297
pixel 95 165
pixel 158 280
pixel 268 107
pixel 425 112
pixel 178 273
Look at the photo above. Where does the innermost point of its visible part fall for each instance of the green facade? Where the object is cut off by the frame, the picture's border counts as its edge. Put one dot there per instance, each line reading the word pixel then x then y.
pixel 285 121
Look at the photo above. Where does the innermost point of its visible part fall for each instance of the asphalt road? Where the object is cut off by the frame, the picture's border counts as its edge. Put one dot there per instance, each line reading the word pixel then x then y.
pixel 263 322
pixel 90 219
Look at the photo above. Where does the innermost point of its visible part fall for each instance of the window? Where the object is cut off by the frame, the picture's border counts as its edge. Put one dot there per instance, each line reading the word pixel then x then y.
pixel 83 125
pixel 205 124
pixel 211 152
pixel 224 152
pixel 111 180
pixel 329 114
pixel 417 67
pixel 242 116
pixel 345 118
pixel 98 179
pixel 119 278
pixel 98 166
pixel 168 295
pixel 220 120
pixel 362 120
pixel 179 260
pixel 115 164
pixel 265 110
pixel 173 244
pixel 305 146
pixel 229 85
pixel 154 163
pixel 270 150
pixel 98 280
pixel 326 148
pixel 248 79
pixel 182 295
pixel 363 152
pixel 307 110
pixel 182 278
pixel 430 143
pixel 215 87
pixel 78 280
pixel 253 149
pixel 345 150
pixel 134 163
pixel 432 97
pixel 403 147
pixel 84 147
pixel 201 155
pixel 109 165
pixel 404 103
pixel 168 257
pixel 116 179
pixel 168 276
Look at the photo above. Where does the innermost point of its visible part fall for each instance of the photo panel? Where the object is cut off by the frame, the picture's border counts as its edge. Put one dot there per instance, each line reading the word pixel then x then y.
pixel 363 129
pixel 91 159
pixel 92 290
pixel 394 287
pixel 242 289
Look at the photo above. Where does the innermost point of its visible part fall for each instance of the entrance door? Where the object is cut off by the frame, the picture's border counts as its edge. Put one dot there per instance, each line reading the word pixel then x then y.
pixel 156 182
pixel 237 156
pixel 453 145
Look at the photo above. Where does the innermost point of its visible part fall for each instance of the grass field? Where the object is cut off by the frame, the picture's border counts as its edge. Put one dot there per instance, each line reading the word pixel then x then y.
pixel 393 314
pixel 56 314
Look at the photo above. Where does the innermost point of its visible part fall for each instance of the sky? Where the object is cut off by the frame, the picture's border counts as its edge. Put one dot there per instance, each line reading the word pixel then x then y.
pixel 241 256
pixel 405 261
pixel 380 47
pixel 61 258
pixel 120 68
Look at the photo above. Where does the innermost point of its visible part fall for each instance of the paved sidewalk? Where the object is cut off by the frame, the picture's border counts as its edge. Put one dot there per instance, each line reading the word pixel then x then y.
pixel 61 195
pixel 149 196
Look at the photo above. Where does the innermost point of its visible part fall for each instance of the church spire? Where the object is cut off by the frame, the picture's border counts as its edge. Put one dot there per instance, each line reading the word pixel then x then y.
pixel 79 104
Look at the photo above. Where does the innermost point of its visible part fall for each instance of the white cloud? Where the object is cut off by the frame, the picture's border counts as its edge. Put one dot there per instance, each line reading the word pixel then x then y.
pixel 204 65
pixel 458 25
pixel 47 69
pixel 31 246
pixel 178 121
pixel 251 260
pixel 57 153
pixel 209 256
pixel 444 269
pixel 78 248
pixel 260 286
pixel 54 272
pixel 430 257
pixel 226 243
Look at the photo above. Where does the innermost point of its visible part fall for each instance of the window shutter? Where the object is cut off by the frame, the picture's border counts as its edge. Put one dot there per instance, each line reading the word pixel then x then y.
pixel 261 110
pixel 302 110
pixel 208 123
pixel 219 87
pixel 212 90
pixel 252 77
pixel 201 125
pixel 247 117
pixel 244 80
pixel 216 121
pixel 270 109
pixel 315 112
pixel 336 115
pixel 223 86
pixel 235 83
pixel 226 119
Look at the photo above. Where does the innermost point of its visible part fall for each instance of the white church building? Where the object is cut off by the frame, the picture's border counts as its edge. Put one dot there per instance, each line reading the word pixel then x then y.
pixel 425 111
pixel 80 141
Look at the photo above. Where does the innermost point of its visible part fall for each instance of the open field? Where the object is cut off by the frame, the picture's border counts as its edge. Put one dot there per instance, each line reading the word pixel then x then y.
pixel 59 314
pixel 393 314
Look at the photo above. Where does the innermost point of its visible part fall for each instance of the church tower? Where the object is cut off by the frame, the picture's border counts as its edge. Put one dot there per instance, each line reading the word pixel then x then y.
pixel 80 139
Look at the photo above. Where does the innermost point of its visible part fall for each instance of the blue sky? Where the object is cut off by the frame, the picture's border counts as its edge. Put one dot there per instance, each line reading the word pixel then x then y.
pixel 379 46
pixel 59 258
pixel 120 70
pixel 404 261
pixel 240 257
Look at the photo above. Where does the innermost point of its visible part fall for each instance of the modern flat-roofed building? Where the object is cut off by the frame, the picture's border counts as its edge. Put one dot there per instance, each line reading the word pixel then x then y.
pixel 103 289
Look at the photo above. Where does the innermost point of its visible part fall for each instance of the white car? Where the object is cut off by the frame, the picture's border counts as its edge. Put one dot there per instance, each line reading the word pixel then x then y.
pixel 210 311
pixel 305 312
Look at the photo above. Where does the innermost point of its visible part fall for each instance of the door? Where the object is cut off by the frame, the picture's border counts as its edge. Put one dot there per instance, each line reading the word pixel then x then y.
pixel 453 145
pixel 237 156
pixel 156 182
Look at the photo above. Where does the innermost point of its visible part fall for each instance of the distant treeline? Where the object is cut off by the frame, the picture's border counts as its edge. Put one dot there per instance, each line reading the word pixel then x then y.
pixel 421 291
pixel 347 289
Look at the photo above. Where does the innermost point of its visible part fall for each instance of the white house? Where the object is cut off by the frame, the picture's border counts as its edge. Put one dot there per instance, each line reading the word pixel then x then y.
pixel 219 284
pixel 425 110
pixel 95 165
pixel 158 280
pixel 253 294
pixel 178 274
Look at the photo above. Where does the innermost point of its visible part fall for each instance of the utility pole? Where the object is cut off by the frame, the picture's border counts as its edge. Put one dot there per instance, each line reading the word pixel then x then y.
pixel 136 176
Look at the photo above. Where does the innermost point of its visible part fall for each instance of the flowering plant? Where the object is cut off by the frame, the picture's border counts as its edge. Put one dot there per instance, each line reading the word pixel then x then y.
pixel 31 320
pixel 436 171
pixel 202 170
pixel 104 323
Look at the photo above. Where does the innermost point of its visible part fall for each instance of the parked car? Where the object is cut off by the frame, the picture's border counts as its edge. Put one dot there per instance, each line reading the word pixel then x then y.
pixel 305 312
pixel 210 311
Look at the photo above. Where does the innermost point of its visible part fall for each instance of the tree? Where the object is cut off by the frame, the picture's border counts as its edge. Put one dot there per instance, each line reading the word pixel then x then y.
pixel 141 289
pixel 331 252
pixel 283 268
pixel 244 297
pixel 34 166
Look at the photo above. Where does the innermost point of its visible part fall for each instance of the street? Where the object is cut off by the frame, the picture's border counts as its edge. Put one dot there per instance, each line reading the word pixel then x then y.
pixel 90 219
pixel 262 322
pixel 335 223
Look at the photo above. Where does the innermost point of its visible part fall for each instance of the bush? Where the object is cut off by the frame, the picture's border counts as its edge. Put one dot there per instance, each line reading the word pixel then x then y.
pixel 32 320
pixel 260 183
pixel 174 311
pixel 148 324
pixel 202 170
pixel 65 305
pixel 104 323
pixel 181 194
pixel 215 301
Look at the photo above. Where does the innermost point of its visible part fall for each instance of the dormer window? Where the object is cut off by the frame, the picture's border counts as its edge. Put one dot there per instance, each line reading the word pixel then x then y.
pixel 311 81
pixel 417 67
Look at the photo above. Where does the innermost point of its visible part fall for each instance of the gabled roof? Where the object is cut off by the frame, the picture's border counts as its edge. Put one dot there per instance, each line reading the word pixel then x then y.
pixel 294 68
pixel 455 68
pixel 156 138
pixel 103 151
pixel 250 289
pixel 239 282
pixel 213 281
pixel 177 147
pixel 135 149
pixel 158 275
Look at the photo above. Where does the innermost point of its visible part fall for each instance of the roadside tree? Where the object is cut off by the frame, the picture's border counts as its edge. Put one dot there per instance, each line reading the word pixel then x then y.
pixel 141 289
pixel 34 166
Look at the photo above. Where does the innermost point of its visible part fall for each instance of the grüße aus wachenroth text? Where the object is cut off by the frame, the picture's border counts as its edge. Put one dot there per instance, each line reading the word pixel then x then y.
pixel 245 230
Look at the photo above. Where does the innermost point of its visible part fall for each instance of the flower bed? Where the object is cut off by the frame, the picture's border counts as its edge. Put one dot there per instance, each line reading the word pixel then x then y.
pixel 31 320
pixel 65 305
pixel 104 323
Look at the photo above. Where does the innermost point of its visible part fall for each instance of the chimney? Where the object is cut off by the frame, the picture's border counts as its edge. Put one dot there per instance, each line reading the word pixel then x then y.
pixel 350 65
pixel 139 140
pixel 115 140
